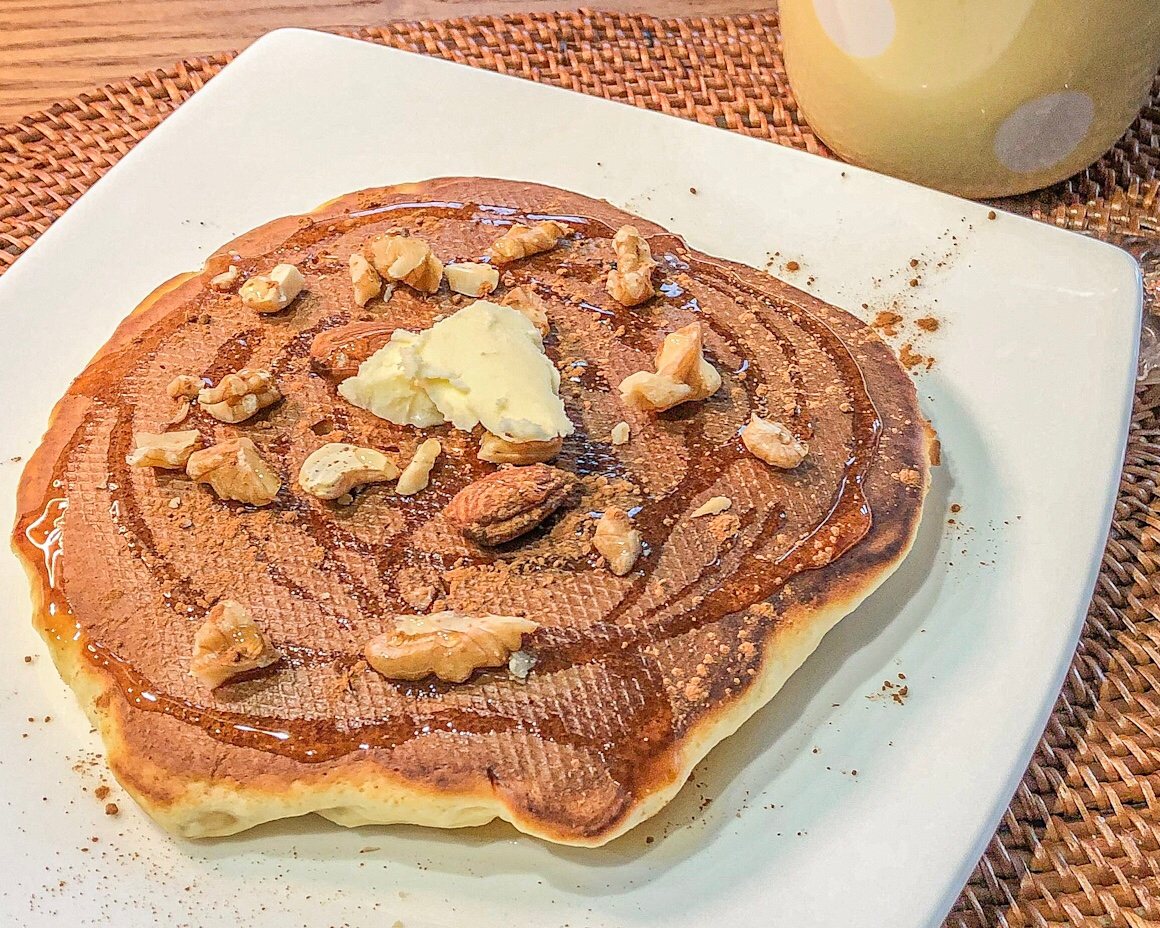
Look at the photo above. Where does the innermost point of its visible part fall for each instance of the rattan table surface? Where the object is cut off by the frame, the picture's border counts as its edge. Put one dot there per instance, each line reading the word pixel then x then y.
pixel 1080 843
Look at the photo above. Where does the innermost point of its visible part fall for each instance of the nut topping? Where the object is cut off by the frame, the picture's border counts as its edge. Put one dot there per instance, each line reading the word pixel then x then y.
pixel 185 386
pixel 239 396
pixel 525 300
pixel 682 374
pixel 227 279
pixel 711 507
pixel 621 433
pixel 273 292
pixel 520 241
pixel 494 449
pixel 447 644
pixel 337 353
pixel 335 469
pixel 630 284
pixel 471 279
pixel 227 644
pixel 365 279
pixel 508 503
pixel 405 258
pixel 415 475
pixel 169 450
pixel 773 443
pixel 617 540
pixel 235 470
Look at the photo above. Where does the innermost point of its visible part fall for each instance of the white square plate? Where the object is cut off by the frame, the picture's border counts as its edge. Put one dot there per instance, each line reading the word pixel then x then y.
pixel 1030 392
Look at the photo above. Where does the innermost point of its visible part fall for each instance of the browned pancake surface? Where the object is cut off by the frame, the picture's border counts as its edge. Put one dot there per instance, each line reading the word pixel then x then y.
pixel 634 674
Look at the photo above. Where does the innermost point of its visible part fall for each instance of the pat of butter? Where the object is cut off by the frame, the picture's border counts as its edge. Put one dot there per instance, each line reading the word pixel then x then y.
pixel 483 365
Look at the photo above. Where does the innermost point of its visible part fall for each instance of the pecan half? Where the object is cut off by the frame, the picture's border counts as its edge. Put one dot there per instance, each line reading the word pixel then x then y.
pixel 508 503
pixel 447 644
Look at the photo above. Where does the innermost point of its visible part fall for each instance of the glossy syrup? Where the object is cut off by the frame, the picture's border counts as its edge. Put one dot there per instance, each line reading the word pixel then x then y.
pixel 616 643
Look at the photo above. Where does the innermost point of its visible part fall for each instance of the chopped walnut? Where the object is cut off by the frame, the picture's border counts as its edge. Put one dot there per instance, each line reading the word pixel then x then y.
pixel 273 292
pixel 773 443
pixel 335 469
pixel 617 540
pixel 184 386
pixel 630 284
pixel 712 507
pixel 229 643
pixel 471 279
pixel 447 644
pixel 365 279
pixel 239 396
pixel 235 470
pixel 405 258
pixel 520 241
pixel 495 450
pixel 416 474
pixel 621 433
pixel 525 300
pixel 227 279
pixel 169 450
pixel 682 374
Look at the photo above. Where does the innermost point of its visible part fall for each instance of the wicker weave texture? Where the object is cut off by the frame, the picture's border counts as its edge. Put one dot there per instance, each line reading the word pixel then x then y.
pixel 1080 843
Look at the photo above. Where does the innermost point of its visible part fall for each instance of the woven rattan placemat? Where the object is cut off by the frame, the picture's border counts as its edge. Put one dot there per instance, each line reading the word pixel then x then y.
pixel 1080 844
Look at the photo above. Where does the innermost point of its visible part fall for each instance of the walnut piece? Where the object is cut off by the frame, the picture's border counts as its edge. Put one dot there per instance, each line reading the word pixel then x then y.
pixel 471 279
pixel 405 258
pixel 227 279
pixel 773 443
pixel 617 540
pixel 508 503
pixel 682 374
pixel 273 292
pixel 630 284
pixel 711 507
pixel 520 241
pixel 239 396
pixel 447 644
pixel 184 386
pixel 169 449
pixel 229 643
pixel 335 469
pixel 365 279
pixel 235 470
pixel 525 300
pixel 621 433
pixel 495 450
pixel 416 474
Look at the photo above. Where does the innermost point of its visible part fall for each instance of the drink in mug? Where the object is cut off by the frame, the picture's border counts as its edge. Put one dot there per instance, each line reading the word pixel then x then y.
pixel 977 97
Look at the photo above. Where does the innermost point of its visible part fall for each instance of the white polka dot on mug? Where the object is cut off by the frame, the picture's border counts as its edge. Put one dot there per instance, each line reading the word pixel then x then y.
pixel 979 97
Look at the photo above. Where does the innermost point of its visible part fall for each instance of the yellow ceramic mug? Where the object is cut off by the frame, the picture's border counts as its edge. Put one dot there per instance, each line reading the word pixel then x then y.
pixel 978 97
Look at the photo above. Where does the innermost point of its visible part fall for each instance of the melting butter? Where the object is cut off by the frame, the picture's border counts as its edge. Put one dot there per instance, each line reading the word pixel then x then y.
pixel 483 365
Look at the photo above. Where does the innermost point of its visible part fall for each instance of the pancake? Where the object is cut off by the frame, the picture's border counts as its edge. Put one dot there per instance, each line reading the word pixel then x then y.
pixel 634 678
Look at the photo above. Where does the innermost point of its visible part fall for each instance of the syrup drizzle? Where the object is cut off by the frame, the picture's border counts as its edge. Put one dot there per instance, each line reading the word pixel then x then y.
pixel 717 590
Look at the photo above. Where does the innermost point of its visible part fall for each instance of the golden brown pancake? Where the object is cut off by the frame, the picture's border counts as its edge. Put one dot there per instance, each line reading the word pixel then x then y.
pixel 636 677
